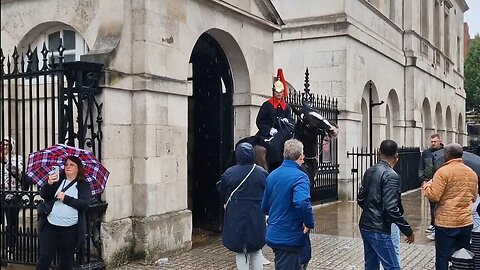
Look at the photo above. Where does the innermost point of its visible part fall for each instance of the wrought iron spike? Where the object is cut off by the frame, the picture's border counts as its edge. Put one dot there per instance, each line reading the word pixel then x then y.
pixel 2 59
pixel 60 50
pixel 8 64
pixel 22 63
pixel 307 83
pixel 15 56
pixel 44 53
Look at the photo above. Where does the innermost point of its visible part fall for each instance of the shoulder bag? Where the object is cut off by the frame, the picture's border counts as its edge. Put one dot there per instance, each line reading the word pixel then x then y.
pixel 44 208
pixel 231 194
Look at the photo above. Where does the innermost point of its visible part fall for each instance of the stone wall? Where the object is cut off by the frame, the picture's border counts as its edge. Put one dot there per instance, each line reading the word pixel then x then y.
pixel 146 46
pixel 348 43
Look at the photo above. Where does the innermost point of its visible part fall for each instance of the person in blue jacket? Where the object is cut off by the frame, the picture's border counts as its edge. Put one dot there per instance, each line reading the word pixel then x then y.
pixel 241 188
pixel 287 203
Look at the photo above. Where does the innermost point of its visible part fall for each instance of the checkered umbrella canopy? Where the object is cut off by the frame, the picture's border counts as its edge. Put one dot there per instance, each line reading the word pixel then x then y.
pixel 40 164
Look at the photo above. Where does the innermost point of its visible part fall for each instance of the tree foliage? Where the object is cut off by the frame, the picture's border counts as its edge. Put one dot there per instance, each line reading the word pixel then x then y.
pixel 472 74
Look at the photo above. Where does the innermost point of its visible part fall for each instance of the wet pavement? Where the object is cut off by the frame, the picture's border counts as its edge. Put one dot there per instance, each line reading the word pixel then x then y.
pixel 336 243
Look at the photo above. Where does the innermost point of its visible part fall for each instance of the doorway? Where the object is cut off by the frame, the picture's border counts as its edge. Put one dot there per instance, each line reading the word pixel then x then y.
pixel 210 131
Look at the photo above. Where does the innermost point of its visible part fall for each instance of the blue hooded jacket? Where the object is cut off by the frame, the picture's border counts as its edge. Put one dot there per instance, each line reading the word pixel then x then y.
pixel 287 203
pixel 244 221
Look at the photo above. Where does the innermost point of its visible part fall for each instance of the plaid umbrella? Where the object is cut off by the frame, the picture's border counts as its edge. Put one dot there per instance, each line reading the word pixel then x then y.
pixel 40 164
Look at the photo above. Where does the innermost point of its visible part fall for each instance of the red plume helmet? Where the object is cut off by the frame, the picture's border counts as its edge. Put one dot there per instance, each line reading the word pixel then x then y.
pixel 280 83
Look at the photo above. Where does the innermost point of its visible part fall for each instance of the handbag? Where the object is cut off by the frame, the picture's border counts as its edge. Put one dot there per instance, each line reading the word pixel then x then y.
pixel 231 194
pixel 44 208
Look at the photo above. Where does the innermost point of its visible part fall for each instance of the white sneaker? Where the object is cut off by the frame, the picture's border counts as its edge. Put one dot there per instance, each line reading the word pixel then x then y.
pixel 265 260
pixel 430 229
pixel 431 236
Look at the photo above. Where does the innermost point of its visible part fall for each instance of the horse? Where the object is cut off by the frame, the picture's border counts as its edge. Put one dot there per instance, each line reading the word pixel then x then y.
pixel 309 126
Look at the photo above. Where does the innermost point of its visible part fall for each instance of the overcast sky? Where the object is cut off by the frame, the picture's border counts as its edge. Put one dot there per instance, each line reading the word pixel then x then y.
pixel 472 17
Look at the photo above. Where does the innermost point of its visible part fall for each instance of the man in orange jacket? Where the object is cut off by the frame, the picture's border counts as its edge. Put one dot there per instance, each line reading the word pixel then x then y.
pixel 454 188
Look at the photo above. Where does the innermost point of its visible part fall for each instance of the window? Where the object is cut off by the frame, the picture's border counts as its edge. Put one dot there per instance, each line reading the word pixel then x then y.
pixel 73 43
pixel 459 65
pixel 436 24
pixel 391 14
pixel 424 15
pixel 446 34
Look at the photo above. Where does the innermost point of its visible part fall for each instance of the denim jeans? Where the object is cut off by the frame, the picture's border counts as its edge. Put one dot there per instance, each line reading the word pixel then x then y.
pixel 449 240
pixel 395 233
pixel 378 247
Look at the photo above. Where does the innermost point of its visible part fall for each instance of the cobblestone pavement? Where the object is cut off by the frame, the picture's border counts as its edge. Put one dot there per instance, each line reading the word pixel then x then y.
pixel 336 243
pixel 329 252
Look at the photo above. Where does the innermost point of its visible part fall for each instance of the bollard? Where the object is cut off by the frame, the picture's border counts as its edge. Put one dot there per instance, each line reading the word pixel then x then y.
pixel 475 247
pixel 462 260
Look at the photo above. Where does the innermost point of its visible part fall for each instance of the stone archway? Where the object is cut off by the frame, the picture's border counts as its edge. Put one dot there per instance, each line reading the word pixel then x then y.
pixel 460 130
pixel 427 127
pixel 218 71
pixel 375 115
pixel 393 115
pixel 364 123
pixel 439 123
pixel 449 125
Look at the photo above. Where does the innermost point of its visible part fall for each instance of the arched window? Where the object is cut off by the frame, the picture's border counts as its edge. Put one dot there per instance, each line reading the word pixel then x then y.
pixel 73 43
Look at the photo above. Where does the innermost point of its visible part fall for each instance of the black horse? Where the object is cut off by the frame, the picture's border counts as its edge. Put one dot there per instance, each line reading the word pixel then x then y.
pixel 307 129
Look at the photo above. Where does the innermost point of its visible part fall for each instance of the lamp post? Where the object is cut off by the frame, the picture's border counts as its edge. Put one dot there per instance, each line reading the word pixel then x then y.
pixel 370 119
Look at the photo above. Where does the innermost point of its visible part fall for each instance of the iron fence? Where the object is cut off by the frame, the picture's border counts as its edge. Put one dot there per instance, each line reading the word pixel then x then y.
pixel 44 102
pixel 321 153
pixel 406 167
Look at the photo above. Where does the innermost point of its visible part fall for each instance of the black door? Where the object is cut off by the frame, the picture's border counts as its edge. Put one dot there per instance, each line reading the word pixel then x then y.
pixel 210 131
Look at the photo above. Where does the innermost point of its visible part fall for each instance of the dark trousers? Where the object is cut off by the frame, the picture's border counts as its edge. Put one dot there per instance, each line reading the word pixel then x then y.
pixel 432 213
pixel 53 239
pixel 10 211
pixel 287 259
pixel 449 240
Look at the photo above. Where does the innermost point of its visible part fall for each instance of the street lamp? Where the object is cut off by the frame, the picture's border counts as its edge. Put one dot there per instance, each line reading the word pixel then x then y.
pixel 370 119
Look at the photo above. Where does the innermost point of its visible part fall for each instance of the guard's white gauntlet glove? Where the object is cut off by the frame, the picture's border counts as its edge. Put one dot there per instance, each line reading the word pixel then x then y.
pixel 273 131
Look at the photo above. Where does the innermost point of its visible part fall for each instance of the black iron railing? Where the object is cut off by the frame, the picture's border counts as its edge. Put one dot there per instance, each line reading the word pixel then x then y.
pixel 406 167
pixel 44 102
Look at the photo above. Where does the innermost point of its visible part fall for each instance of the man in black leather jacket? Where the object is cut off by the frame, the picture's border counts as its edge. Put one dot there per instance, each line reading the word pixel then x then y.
pixel 379 197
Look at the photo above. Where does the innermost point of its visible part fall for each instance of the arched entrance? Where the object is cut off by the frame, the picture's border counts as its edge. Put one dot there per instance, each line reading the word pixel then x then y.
pixel 210 130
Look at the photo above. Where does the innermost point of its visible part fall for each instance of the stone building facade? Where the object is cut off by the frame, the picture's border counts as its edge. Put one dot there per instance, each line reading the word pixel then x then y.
pixel 411 50
pixel 183 80
pixel 162 98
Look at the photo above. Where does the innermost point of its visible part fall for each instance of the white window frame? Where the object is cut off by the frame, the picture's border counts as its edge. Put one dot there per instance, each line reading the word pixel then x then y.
pixel 81 46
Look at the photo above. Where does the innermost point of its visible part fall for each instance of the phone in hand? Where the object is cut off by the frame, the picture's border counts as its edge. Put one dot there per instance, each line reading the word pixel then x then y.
pixel 56 171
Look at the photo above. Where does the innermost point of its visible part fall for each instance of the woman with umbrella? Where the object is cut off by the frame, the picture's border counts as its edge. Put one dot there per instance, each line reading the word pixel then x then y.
pixel 63 229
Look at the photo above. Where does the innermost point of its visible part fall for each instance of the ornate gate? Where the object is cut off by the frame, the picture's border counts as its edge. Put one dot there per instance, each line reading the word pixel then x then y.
pixel 45 102
pixel 324 185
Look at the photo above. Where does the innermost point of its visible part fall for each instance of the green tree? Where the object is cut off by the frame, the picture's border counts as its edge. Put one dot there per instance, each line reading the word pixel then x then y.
pixel 472 73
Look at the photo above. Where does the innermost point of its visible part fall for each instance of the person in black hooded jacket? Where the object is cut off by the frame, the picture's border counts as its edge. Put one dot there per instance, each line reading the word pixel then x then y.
pixel 244 221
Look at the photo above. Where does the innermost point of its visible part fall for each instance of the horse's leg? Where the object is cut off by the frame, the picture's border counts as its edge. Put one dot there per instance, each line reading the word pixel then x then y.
pixel 310 148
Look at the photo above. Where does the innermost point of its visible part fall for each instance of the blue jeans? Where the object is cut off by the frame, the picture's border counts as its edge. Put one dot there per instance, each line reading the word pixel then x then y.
pixel 378 247
pixel 449 240
pixel 395 233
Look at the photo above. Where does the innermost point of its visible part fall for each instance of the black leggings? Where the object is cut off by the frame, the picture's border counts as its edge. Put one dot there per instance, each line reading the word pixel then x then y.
pixel 55 239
